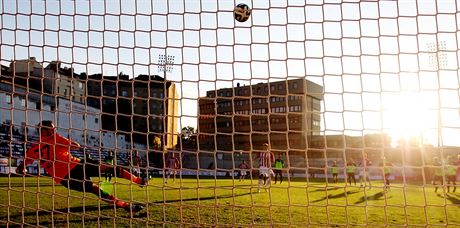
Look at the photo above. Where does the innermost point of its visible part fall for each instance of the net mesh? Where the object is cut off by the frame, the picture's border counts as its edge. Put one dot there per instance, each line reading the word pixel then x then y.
pixel 310 113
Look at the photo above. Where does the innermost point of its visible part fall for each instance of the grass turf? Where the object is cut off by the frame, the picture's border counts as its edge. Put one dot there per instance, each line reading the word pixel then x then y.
pixel 207 202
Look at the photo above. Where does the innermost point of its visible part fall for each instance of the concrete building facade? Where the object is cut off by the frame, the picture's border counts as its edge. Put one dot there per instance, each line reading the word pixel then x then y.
pixel 283 113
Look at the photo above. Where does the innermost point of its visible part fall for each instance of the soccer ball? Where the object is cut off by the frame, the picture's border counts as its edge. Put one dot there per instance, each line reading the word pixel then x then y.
pixel 241 12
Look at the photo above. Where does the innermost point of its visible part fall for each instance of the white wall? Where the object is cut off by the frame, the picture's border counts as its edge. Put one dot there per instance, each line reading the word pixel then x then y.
pixel 73 119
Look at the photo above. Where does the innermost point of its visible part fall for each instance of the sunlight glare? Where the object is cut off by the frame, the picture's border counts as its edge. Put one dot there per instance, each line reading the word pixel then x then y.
pixel 407 117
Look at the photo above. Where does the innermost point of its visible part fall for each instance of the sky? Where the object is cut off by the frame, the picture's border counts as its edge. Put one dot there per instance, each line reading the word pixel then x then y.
pixel 376 60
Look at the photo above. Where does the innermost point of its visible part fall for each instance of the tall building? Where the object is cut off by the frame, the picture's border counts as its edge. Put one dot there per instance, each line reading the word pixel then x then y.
pixel 283 113
pixel 143 107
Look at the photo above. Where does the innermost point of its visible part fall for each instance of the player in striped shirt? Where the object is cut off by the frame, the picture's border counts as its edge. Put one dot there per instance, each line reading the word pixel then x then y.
pixel 52 152
pixel 173 164
pixel 265 160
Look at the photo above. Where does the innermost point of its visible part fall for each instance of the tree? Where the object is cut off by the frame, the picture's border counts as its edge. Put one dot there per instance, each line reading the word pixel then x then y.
pixel 187 133
pixel 188 137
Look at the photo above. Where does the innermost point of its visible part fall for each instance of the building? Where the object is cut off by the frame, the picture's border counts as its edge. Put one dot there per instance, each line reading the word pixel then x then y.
pixel 142 108
pixel 65 83
pixel 28 73
pixel 52 79
pixel 21 109
pixel 283 113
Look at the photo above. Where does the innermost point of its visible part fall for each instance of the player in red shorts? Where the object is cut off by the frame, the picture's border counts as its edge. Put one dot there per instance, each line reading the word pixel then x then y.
pixel 52 153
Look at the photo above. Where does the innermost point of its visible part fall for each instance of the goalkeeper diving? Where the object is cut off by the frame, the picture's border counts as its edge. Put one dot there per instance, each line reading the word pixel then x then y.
pixel 52 151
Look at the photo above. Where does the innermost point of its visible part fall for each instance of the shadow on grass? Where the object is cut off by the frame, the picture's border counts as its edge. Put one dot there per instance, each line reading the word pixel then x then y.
pixel 454 200
pixel 226 196
pixel 331 196
pixel 26 184
pixel 327 189
pixel 63 211
pixel 376 196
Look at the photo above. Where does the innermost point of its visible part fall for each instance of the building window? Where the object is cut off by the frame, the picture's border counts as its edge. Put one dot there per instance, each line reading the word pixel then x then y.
pixel 8 99
pixel 38 105
pixel 96 120
pixel 280 87
pixel 23 102
pixel 80 85
pixel 294 120
pixel 272 88
pixel 316 123
pixel 124 93
pixel 295 85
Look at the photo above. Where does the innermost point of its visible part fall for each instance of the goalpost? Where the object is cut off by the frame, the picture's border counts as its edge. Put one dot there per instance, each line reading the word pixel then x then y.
pixel 356 102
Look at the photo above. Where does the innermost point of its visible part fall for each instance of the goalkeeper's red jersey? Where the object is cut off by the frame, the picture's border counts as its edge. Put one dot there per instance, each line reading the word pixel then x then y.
pixel 53 154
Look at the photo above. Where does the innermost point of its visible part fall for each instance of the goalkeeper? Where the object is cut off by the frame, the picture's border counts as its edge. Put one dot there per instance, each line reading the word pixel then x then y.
pixel 52 152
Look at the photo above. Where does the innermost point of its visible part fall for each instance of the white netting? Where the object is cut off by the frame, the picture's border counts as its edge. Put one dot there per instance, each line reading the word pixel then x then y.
pixel 357 102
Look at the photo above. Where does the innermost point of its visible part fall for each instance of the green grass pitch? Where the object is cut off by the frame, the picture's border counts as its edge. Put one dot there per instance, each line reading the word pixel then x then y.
pixel 225 202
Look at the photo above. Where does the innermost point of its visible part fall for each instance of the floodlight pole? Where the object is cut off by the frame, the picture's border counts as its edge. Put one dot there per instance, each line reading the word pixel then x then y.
pixel 166 64
pixel 438 61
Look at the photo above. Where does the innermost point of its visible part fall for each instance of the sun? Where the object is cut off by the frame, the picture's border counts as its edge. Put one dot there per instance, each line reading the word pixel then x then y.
pixel 410 115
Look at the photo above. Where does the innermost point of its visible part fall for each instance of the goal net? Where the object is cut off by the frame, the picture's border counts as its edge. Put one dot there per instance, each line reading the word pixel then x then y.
pixel 181 113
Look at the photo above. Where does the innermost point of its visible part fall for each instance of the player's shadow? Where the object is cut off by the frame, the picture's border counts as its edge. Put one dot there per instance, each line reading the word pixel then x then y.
pixel 331 196
pixel 327 189
pixel 78 209
pixel 452 199
pixel 376 196
pixel 30 185
pixel 201 198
